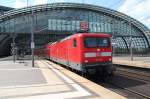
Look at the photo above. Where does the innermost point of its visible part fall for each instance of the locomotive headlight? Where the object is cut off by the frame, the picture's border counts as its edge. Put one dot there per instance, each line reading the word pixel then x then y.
pixel 110 59
pixel 90 54
pixel 105 53
pixel 86 61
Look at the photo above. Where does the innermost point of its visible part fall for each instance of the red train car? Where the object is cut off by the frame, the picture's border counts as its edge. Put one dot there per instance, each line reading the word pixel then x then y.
pixel 44 51
pixel 84 52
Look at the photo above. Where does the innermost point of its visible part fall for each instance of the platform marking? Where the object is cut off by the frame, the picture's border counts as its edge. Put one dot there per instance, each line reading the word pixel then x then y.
pixel 68 80
pixel 80 92
pixel 20 69
pixel 75 85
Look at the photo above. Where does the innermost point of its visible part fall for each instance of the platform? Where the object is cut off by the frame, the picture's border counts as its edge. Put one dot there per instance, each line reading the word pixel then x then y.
pixel 142 62
pixel 47 81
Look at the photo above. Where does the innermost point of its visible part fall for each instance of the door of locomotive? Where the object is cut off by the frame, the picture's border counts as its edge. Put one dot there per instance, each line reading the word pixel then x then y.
pixel 68 52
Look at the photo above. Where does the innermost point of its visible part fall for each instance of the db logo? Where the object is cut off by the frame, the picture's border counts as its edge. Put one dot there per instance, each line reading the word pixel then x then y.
pixel 84 25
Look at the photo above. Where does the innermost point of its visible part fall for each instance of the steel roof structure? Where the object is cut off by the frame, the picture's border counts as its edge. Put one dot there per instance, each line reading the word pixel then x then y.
pixel 142 30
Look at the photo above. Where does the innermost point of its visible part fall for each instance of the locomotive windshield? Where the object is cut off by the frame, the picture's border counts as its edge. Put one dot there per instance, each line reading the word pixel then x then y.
pixel 90 42
pixel 96 42
pixel 102 42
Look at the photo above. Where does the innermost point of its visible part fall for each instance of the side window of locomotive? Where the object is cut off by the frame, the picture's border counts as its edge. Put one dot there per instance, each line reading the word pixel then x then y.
pixel 74 43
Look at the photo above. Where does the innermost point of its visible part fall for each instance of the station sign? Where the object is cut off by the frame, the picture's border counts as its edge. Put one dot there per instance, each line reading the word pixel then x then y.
pixel 32 45
pixel 84 25
pixel 68 25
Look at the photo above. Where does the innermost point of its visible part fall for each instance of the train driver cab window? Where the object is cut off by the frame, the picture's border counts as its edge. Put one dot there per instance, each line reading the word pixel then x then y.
pixel 74 43
pixel 90 42
pixel 96 42
pixel 103 42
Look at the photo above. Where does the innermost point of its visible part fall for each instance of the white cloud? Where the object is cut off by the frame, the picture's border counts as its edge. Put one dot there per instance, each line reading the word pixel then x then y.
pixel 38 2
pixel 20 4
pixel 138 9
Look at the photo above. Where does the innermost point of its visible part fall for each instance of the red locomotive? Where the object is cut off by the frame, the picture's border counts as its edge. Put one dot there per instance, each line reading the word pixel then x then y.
pixel 85 52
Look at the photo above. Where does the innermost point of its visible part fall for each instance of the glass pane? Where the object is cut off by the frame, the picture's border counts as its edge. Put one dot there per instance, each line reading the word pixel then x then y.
pixel 90 42
pixel 102 42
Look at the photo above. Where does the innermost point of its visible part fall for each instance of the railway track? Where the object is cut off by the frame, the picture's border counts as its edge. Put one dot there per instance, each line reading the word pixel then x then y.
pixel 126 75
pixel 127 82
pixel 131 91
pixel 136 82
pixel 134 74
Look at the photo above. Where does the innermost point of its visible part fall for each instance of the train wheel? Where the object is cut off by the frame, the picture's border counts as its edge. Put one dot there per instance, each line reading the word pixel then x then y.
pixel 87 73
pixel 82 73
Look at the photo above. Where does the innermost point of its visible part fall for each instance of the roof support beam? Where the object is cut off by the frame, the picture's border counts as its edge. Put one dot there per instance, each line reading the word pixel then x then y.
pixel 126 43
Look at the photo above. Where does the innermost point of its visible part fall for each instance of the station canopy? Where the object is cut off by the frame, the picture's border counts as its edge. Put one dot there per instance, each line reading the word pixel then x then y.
pixel 54 21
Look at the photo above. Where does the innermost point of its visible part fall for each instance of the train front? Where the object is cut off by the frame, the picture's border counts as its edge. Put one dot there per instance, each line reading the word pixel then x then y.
pixel 97 54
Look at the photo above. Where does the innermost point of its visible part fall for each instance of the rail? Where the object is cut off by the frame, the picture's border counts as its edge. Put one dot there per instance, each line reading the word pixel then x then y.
pixel 142 75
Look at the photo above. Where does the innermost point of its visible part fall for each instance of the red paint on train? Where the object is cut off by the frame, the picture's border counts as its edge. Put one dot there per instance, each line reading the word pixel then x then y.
pixel 83 51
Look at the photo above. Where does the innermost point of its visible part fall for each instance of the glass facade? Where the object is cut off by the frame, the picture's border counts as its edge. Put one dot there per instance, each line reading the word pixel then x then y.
pixel 69 20
pixel 57 22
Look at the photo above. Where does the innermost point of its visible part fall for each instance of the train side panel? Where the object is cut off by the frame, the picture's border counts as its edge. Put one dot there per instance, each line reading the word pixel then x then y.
pixel 67 52
pixel 53 52
pixel 74 53
pixel 62 52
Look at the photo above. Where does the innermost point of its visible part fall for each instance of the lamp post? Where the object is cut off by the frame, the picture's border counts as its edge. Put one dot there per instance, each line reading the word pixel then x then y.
pixel 32 34
pixel 32 37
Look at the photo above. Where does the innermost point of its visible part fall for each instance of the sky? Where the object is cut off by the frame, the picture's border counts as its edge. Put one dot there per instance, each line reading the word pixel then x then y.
pixel 138 9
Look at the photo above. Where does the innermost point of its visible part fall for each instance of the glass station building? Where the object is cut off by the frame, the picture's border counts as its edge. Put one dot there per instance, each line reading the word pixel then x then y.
pixel 51 22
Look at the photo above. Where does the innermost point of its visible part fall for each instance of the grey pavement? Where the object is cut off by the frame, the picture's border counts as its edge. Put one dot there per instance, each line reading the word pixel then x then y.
pixel 19 73
pixel 128 58
pixel 10 58
pixel 46 81
pixel 142 62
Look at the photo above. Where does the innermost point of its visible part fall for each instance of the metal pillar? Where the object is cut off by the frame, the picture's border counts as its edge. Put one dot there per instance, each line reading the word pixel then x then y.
pixel 27 3
pixel 32 38
pixel 131 41
pixel 113 36
pixel 131 49
pixel 128 50
pixel 13 49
